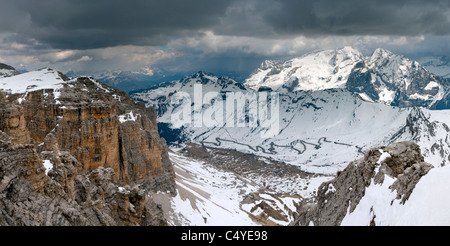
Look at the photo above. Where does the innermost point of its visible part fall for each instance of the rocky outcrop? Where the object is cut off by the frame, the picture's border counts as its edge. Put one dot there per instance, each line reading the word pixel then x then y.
pixel 79 153
pixel 401 161
pixel 98 125
pixel 52 188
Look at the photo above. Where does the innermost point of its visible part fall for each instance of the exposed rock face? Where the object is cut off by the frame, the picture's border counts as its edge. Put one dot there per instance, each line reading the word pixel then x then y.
pixel 66 194
pixel 96 139
pixel 98 125
pixel 401 161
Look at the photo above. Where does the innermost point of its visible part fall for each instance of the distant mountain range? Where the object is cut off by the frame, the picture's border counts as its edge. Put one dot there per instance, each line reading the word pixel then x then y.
pixel 382 77
pixel 437 65
pixel 319 130
pixel 128 81
pixel 337 101
pixel 341 96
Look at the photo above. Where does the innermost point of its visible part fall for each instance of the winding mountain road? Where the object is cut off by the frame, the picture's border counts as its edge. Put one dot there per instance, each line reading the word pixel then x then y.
pixel 273 146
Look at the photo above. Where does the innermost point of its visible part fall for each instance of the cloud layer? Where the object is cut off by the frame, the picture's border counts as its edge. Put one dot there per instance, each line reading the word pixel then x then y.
pixel 174 33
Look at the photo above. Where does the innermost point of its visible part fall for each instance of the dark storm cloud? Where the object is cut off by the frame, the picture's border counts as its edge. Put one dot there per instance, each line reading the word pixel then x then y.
pixel 82 24
pixel 360 17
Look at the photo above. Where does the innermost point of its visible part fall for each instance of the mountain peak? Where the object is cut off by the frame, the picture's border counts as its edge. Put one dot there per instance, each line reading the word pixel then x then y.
pixel 268 64
pixel 7 71
pixel 380 55
pixel 314 71
pixel 205 78
pixel 201 74
pixel 382 52
pixel 350 50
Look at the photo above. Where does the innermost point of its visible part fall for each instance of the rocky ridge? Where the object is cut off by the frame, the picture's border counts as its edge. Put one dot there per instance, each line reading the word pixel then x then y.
pixel 64 194
pixel 402 162
pixel 104 150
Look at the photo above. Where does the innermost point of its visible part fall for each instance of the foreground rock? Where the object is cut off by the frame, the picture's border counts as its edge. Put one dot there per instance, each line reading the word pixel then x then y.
pixel 63 193
pixel 401 163
pixel 98 125
pixel 77 152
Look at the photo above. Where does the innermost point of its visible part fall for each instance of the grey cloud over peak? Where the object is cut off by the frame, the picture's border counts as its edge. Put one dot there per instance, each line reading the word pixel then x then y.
pixel 82 24
pixel 231 36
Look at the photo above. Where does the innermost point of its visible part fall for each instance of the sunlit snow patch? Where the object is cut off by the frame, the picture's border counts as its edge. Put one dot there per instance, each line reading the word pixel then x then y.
pixel 48 166
pixel 128 117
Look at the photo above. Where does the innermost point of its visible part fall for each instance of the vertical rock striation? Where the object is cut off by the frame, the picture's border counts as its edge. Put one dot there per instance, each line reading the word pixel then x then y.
pixel 104 148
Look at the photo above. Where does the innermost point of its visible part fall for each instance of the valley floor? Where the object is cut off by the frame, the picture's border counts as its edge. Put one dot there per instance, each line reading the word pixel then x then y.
pixel 222 187
pixel 218 187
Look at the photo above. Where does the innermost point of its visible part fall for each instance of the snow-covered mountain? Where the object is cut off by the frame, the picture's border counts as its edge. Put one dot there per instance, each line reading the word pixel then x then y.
pixel 320 131
pixel 437 65
pixel 159 96
pixel 382 77
pixel 234 174
pixel 395 80
pixel 7 71
pixel 314 71
pixel 389 186
pixel 42 79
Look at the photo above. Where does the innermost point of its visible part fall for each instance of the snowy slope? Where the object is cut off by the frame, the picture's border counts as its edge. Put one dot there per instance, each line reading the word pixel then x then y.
pixel 160 96
pixel 428 204
pixel 209 196
pixel 201 200
pixel 32 81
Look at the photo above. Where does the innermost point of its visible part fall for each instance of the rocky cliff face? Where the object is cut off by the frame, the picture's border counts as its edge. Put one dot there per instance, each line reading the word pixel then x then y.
pixel 108 140
pixel 52 188
pixel 401 162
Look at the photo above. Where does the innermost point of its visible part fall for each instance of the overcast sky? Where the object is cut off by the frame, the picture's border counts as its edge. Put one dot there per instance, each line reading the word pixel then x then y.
pixel 217 36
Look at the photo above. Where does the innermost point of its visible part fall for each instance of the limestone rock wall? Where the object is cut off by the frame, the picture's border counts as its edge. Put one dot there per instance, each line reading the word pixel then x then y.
pixel 65 194
pixel 96 124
